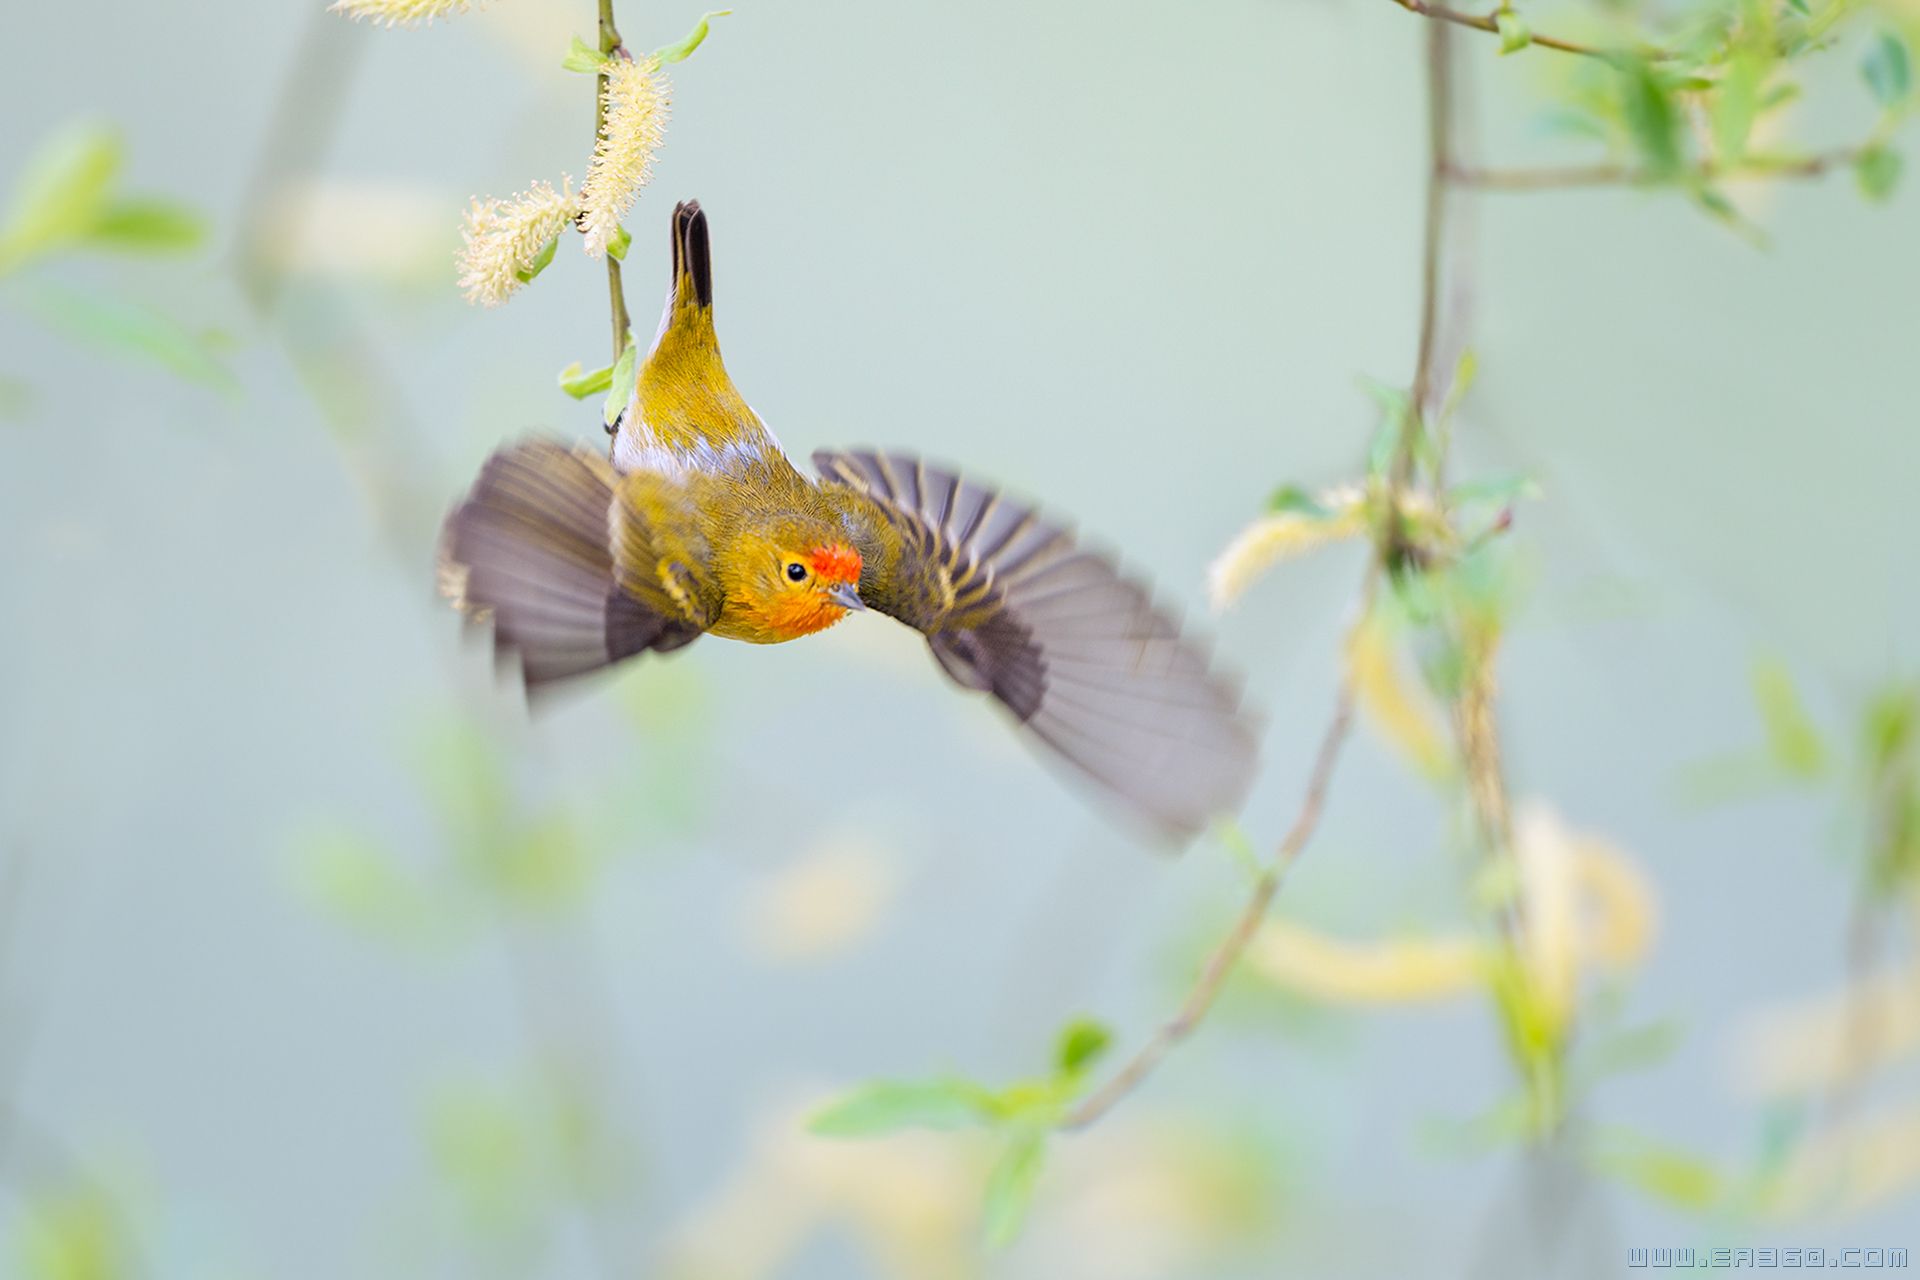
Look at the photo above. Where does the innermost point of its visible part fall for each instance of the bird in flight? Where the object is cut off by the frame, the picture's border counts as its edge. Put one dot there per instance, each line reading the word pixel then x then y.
pixel 696 523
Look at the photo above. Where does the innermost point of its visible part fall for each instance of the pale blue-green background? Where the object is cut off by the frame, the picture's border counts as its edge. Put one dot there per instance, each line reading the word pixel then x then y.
pixel 1128 256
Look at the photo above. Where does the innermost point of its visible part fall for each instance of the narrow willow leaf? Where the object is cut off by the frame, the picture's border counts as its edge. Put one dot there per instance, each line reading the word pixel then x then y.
pixel 1737 105
pixel 1887 70
pixel 1647 107
pixel 583 57
pixel 1792 740
pixel 1496 491
pixel 60 192
pixel 1878 172
pixel 581 385
pixel 1010 1186
pixel 620 382
pixel 72 1233
pixel 618 243
pixel 1891 724
pixel 540 262
pixel 1678 1177
pixel 127 328
pixel 887 1106
pixel 1723 210
pixel 1081 1044
pixel 680 51
pixel 1515 35
pixel 147 226
pixel 1292 498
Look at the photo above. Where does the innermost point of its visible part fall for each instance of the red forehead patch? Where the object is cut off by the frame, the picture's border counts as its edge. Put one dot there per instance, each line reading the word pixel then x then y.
pixel 837 563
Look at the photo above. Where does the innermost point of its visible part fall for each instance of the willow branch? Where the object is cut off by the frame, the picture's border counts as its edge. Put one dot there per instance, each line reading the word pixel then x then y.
pixel 1619 175
pixel 616 292
pixel 1488 23
pixel 1226 956
pixel 1228 953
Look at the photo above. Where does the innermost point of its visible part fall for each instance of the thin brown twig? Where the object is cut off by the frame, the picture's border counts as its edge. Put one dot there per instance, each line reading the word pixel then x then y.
pixel 1490 23
pixel 616 292
pixel 1619 175
pixel 1226 956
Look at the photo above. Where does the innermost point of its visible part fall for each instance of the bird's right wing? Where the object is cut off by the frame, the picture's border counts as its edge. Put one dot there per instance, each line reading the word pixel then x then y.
pixel 532 549
pixel 1076 650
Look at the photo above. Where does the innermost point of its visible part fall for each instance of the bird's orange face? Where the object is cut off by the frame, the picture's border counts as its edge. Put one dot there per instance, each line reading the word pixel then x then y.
pixel 804 591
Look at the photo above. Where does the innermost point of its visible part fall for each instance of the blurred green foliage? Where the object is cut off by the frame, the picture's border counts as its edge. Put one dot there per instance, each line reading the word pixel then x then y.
pixel 66 200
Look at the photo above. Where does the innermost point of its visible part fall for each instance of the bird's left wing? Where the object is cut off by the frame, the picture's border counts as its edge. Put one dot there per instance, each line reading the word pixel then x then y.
pixel 1076 650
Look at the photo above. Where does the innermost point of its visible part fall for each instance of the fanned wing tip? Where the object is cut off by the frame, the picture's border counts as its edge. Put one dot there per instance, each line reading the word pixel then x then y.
pixel 1071 644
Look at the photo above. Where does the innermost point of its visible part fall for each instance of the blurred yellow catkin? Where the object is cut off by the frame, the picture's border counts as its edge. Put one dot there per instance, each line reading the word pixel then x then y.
pixel 400 13
pixel 1280 536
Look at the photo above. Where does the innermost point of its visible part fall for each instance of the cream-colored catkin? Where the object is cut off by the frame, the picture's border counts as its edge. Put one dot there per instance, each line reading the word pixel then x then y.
pixel 502 239
pixel 400 13
pixel 637 105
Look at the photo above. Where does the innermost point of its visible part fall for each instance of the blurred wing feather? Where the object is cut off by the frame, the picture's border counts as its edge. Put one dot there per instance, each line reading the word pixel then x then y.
pixel 1077 651
pixel 530 551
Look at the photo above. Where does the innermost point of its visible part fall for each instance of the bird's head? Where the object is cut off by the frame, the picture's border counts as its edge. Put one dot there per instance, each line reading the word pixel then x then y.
pixel 796 579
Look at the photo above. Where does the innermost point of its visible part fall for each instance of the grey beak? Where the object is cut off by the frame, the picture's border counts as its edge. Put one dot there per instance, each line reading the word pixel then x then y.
pixel 847 596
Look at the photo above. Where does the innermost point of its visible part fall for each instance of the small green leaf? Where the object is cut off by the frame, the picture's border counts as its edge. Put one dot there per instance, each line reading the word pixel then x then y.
pixel 1724 210
pixel 581 385
pixel 1081 1045
pixel 128 328
pixel 71 1233
pixel 1646 104
pixel 147 226
pixel 541 261
pixel 1393 422
pixel 1498 491
pixel 1010 1186
pixel 1665 1173
pixel 620 382
pixel 1886 69
pixel 1891 723
pixel 618 243
pixel 583 57
pixel 1515 35
pixel 1799 7
pixel 1737 105
pixel 1792 740
pixel 1878 172
pixel 60 193
pixel 1292 499
pixel 679 52
pixel 889 1105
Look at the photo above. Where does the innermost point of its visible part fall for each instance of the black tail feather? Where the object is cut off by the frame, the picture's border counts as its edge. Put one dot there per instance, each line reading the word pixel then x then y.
pixel 692 256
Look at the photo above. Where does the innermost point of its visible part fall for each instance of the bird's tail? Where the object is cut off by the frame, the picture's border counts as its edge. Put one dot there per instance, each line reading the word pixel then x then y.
pixel 689 311
pixel 529 550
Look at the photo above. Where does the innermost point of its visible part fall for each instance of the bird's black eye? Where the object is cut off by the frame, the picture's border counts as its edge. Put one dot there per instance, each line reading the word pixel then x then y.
pixel 796 572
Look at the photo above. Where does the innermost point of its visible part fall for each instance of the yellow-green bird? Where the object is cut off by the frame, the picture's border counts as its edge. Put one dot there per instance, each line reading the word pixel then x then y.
pixel 698 524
